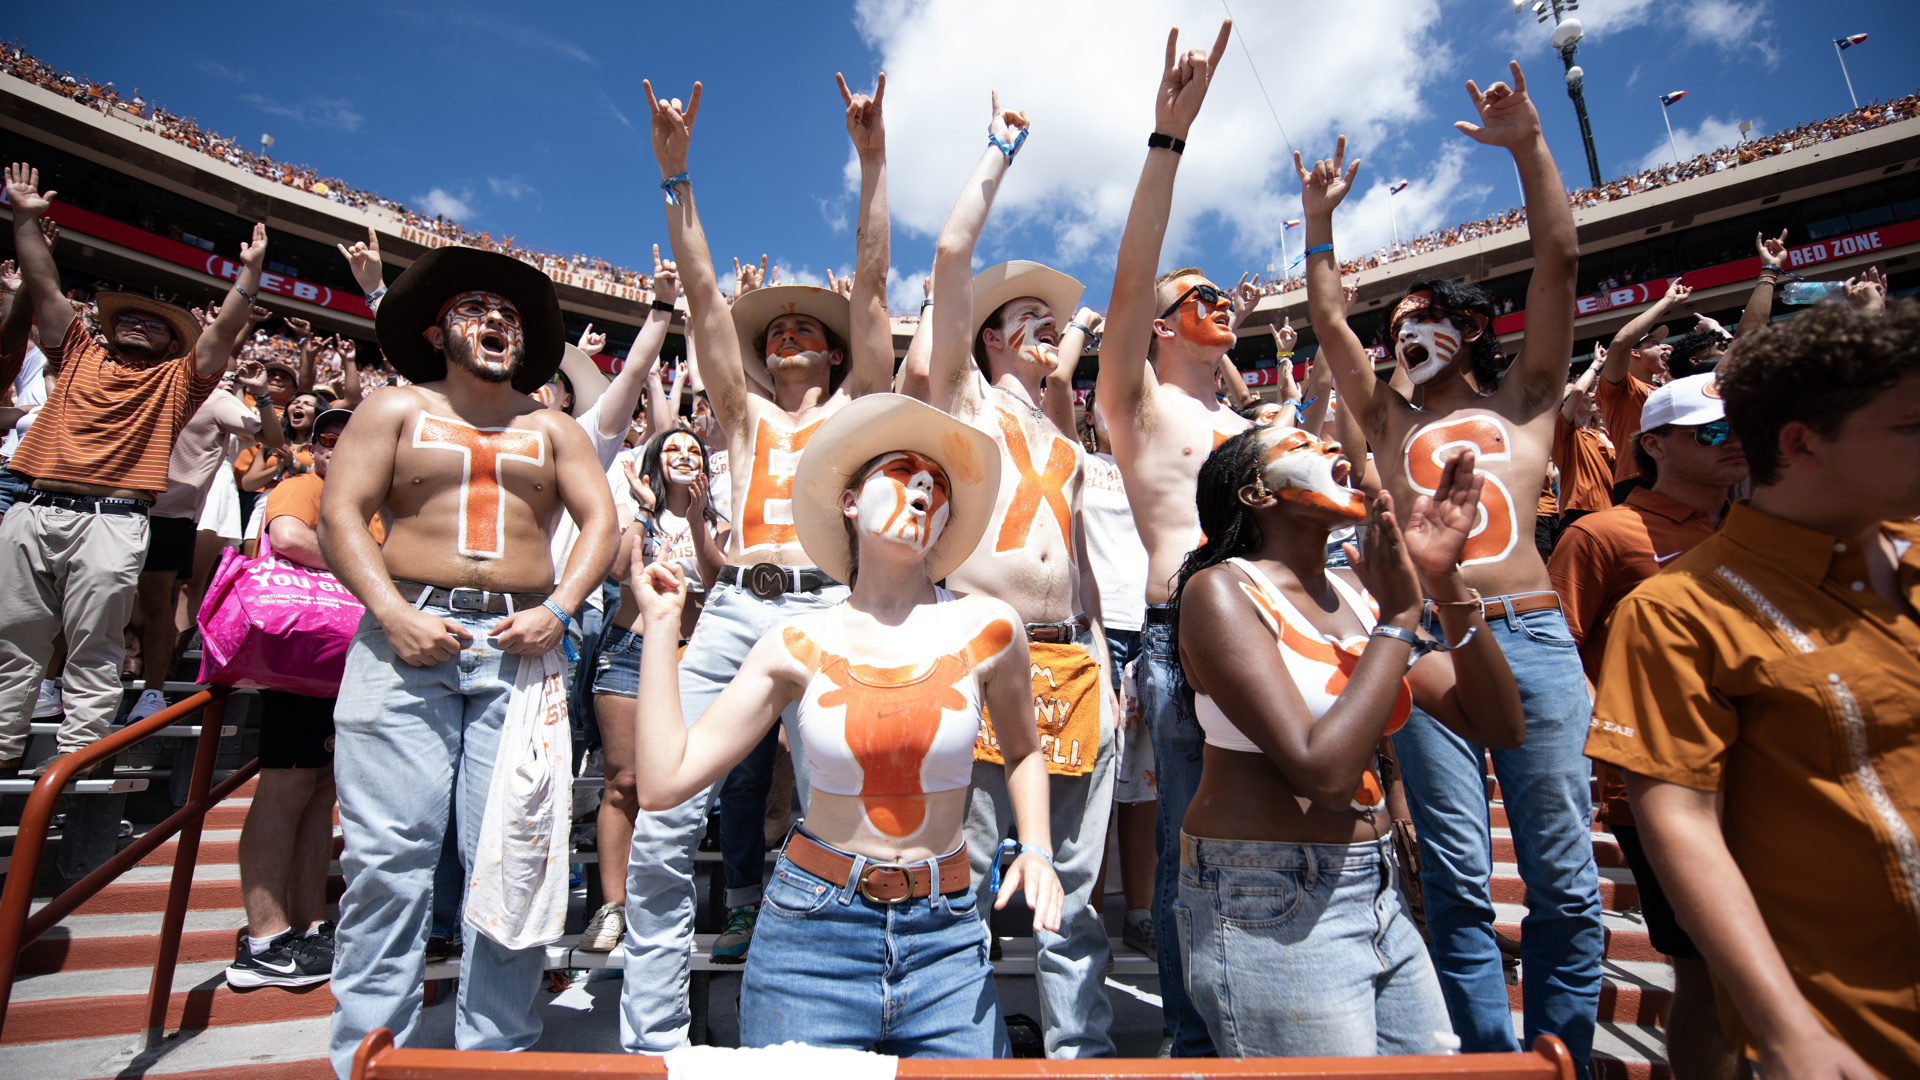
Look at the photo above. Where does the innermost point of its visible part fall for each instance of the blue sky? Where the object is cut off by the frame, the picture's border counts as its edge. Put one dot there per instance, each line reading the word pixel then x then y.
pixel 536 128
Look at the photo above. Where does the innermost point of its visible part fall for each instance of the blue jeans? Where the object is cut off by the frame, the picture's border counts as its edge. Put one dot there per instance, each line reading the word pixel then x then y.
pixel 742 806
pixel 1122 647
pixel 1166 707
pixel 1546 788
pixel 412 746
pixel 1304 950
pixel 831 968
pixel 653 995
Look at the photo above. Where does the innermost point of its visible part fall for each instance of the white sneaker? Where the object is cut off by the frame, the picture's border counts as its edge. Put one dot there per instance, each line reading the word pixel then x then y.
pixel 48 705
pixel 151 701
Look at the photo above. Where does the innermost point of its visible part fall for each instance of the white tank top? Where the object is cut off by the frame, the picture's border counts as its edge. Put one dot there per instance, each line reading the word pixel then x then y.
pixel 1318 663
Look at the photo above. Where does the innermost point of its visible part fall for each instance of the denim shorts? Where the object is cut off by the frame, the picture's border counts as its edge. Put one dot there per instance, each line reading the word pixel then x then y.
pixel 832 968
pixel 616 670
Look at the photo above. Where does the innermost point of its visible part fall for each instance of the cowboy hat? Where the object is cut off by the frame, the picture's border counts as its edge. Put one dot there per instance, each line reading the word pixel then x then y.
pixel 996 285
pixel 414 301
pixel 754 310
pixel 109 306
pixel 589 382
pixel 881 424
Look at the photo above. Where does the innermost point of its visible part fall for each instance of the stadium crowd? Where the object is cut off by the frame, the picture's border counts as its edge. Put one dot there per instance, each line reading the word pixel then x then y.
pixel 1277 648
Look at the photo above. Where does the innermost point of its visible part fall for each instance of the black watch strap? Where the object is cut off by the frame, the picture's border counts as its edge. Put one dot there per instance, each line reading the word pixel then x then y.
pixel 662 305
pixel 1160 139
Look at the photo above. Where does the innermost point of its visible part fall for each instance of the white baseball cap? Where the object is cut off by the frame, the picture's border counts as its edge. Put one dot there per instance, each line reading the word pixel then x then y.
pixel 1688 402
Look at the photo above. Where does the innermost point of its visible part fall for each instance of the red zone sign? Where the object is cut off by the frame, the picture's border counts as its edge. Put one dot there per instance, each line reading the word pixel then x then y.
pixel 75 221
pixel 1820 251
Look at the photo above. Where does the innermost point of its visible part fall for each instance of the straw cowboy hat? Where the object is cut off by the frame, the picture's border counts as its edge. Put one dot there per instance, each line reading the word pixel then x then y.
pixel 755 309
pixel 109 306
pixel 414 300
pixel 881 424
pixel 996 285
pixel 589 382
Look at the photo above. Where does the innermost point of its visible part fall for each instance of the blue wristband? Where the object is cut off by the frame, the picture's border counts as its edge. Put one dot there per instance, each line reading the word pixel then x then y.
pixel 670 183
pixel 1009 844
pixel 1317 249
pixel 1004 148
pixel 566 623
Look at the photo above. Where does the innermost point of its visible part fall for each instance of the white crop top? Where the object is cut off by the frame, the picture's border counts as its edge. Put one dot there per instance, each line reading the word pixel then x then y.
pixel 886 731
pixel 1318 663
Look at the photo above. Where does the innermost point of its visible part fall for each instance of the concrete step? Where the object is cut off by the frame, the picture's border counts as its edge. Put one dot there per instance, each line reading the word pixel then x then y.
pixel 214 887
pixel 85 942
pixel 1617 889
pixel 210 1004
pixel 107 982
pixel 217 846
pixel 1625 998
pixel 1606 851
pixel 1497 816
pixel 1626 933
pixel 283 1050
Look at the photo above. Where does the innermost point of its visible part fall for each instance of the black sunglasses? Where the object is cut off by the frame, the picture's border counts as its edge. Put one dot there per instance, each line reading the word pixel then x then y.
pixel 1208 294
pixel 1713 434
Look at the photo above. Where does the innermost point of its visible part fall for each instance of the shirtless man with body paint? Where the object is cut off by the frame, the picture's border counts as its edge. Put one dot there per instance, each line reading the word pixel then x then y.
pixel 991 342
pixel 1441 334
pixel 470 473
pixel 1165 420
pixel 812 352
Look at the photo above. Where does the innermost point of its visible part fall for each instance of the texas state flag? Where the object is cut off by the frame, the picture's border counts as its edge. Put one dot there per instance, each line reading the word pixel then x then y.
pixel 1850 41
pixel 1397 188
pixel 1668 99
pixel 1293 224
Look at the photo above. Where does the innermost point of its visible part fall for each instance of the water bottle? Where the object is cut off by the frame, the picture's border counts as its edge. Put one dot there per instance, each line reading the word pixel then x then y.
pixel 1812 292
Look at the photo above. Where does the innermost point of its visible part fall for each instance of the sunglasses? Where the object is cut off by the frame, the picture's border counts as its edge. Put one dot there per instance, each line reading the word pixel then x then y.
pixel 152 325
pixel 1209 295
pixel 328 439
pixel 1713 434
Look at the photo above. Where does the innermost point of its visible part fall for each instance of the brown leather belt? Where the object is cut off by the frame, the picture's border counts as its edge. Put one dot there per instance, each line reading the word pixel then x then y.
pixel 473 600
pixel 1162 615
pixel 881 882
pixel 1058 633
pixel 1501 606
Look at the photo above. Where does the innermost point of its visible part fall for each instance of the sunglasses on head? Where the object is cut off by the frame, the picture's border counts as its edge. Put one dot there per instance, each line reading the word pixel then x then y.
pixel 1713 434
pixel 1209 294
pixel 328 439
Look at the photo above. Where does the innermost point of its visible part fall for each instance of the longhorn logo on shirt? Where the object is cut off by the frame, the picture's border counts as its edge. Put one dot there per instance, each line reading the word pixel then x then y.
pixel 484 453
pixel 1494 533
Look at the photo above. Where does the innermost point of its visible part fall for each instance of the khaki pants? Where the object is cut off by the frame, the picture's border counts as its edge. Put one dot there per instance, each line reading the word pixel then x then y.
pixel 73 571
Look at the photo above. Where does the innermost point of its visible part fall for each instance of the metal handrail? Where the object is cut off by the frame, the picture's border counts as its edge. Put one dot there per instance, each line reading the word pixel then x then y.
pixel 17 930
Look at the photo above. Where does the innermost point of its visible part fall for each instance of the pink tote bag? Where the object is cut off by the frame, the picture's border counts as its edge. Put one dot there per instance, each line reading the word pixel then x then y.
pixel 268 623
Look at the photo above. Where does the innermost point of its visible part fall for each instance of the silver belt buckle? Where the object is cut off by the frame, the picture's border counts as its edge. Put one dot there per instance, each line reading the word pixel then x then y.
pixel 465 599
pixel 905 871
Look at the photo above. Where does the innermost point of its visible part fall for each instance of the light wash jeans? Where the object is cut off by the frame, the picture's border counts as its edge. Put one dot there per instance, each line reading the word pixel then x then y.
pixel 1546 788
pixel 1166 707
pixel 1075 1015
pixel 831 968
pixel 411 746
pixel 654 1016
pixel 1304 950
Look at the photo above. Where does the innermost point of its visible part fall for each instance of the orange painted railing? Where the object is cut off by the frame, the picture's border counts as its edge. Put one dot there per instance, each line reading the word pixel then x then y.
pixel 17 931
pixel 379 1059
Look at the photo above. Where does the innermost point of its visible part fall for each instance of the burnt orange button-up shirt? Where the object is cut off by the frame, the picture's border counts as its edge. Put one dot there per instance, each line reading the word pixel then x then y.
pixel 1763 665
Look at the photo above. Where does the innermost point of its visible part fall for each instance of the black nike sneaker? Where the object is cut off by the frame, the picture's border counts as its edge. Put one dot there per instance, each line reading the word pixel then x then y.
pixel 285 963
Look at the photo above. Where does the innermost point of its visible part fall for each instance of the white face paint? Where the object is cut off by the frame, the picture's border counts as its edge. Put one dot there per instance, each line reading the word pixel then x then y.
pixel 1034 337
pixel 680 458
pixel 904 500
pixel 1426 348
pixel 1304 468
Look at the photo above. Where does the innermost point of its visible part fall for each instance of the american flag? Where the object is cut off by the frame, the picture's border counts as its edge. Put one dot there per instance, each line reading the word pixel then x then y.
pixel 1668 99
pixel 1849 41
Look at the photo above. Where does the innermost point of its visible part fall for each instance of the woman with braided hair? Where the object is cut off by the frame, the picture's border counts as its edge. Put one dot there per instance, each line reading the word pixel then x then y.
pixel 1286 862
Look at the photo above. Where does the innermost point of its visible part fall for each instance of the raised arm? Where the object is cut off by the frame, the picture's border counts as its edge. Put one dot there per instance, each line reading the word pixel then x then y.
pixel 350 393
pixel 1057 390
pixel 309 352
pixel 1508 119
pixel 1123 381
pixel 220 336
pixel 16 320
pixel 952 374
pixel 870 365
pixel 1232 382
pixel 1318 398
pixel 708 322
pixel 622 396
pixel 911 379
pixel 1321 190
pixel 1621 350
pixel 39 276
pixel 252 378
pixel 1773 254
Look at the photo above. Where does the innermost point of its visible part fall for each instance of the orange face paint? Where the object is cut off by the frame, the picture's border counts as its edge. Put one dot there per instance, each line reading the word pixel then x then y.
pixel 1304 468
pixel 789 335
pixel 894 485
pixel 1049 485
pixel 1494 533
pixel 1198 322
pixel 484 453
pixel 476 314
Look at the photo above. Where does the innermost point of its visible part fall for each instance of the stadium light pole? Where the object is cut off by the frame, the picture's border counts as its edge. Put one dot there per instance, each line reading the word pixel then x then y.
pixel 1840 47
pixel 1566 39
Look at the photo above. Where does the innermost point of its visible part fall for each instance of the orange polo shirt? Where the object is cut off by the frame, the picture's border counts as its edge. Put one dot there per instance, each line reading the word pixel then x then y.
pixel 1584 457
pixel 1620 404
pixel 1599 560
pixel 1764 666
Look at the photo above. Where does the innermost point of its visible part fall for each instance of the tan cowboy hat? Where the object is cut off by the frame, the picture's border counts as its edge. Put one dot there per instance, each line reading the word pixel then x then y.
pixel 109 306
pixel 755 309
pixel 881 424
pixel 996 285
pixel 589 382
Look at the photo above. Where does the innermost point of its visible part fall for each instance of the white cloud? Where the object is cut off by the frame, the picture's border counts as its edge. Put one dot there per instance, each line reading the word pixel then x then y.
pixel 314 112
pixel 1364 221
pixel 1729 25
pixel 905 291
pixel 512 187
pixel 1734 26
pixel 1712 134
pixel 1075 176
pixel 440 204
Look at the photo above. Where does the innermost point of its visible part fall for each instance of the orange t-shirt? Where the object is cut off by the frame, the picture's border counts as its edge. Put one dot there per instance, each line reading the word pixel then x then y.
pixel 246 458
pixel 299 497
pixel 109 422
pixel 1584 457
pixel 1620 404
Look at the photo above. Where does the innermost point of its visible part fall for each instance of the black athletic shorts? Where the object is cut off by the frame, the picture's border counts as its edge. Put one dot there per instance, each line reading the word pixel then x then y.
pixel 296 731
pixel 170 546
pixel 1663 929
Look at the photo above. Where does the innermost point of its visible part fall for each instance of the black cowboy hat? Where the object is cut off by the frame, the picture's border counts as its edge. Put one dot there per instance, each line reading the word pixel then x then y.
pixel 414 300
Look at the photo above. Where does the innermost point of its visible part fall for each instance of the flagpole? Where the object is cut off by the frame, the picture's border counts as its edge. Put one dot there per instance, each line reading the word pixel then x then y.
pixel 1838 55
pixel 1671 145
pixel 1395 220
pixel 1285 266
